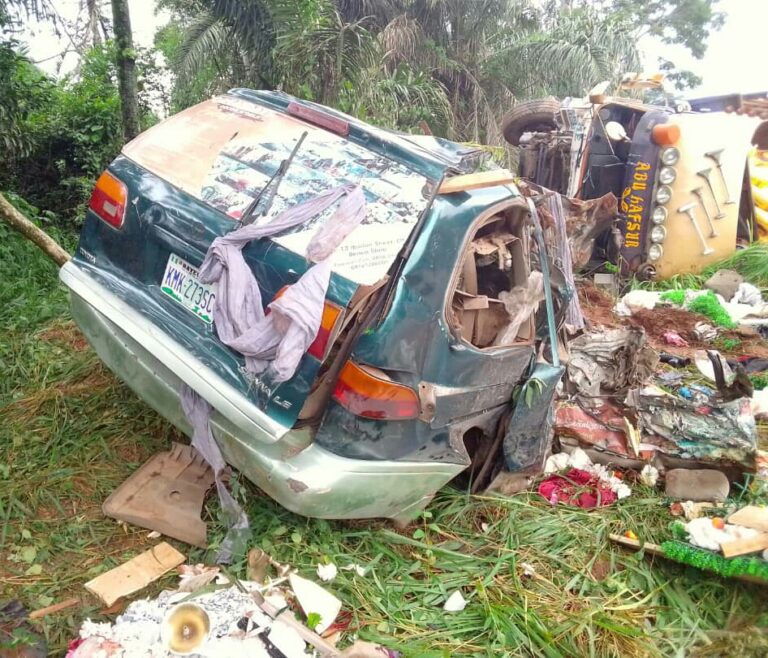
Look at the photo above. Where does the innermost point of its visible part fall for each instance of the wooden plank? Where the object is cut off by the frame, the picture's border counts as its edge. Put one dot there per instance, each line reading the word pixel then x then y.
pixel 648 547
pixel 751 516
pixel 477 180
pixel 51 609
pixel 745 546
pixel 135 574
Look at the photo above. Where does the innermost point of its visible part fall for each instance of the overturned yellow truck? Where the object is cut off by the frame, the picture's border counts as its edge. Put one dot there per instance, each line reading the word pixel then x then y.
pixel 690 184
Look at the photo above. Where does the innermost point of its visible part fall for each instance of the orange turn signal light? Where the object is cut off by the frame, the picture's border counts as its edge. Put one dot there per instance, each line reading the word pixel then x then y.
pixel 362 392
pixel 109 199
pixel 665 134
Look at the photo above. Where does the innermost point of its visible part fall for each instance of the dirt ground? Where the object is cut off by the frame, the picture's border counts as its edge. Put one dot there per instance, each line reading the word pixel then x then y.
pixel 597 306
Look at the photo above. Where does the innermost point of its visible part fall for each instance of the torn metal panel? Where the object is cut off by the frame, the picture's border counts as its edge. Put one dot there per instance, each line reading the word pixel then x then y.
pixel 585 220
pixel 529 430
pixel 612 360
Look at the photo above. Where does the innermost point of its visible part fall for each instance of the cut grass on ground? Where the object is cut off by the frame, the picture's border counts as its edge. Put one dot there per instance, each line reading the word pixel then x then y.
pixel 70 433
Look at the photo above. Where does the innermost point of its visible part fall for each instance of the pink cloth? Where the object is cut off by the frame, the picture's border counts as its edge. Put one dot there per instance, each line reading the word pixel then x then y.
pixel 578 488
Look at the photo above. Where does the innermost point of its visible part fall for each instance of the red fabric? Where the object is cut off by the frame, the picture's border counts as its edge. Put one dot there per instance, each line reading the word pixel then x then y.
pixel 576 487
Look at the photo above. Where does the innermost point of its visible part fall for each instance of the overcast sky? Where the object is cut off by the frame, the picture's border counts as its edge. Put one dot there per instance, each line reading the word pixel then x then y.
pixel 736 59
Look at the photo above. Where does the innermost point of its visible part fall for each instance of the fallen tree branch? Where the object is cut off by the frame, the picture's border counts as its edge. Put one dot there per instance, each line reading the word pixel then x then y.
pixel 29 230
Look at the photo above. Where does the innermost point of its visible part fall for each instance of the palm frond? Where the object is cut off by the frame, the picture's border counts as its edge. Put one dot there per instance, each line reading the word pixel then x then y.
pixel 205 39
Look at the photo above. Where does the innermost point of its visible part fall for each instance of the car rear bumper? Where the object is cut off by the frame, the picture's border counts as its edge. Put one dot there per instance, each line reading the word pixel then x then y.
pixel 283 462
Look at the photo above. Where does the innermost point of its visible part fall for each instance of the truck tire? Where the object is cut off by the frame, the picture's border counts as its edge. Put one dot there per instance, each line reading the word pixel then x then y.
pixel 529 116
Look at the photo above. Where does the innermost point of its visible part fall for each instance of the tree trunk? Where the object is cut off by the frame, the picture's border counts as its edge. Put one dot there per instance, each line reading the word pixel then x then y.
pixel 126 68
pixel 94 14
pixel 19 222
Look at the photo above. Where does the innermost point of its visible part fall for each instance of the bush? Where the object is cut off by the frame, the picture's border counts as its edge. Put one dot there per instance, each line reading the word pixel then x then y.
pixel 72 133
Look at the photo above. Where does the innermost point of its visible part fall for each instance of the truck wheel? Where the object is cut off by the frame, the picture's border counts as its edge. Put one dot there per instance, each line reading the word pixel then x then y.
pixel 530 116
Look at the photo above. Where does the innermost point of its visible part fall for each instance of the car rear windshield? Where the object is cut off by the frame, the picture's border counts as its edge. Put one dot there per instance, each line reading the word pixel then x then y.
pixel 225 150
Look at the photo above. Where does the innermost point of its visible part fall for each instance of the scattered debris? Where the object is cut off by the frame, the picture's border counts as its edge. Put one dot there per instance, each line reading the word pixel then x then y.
pixel 752 570
pixel 693 510
pixel 185 629
pixel 455 602
pixel 359 569
pixel 54 608
pixel 706 367
pixel 706 532
pixel 704 332
pixel 745 545
pixel 258 563
pixel 327 572
pixel 649 476
pixel 135 574
pixel 759 404
pixel 713 433
pixel 580 482
pixel 315 601
pixel 747 294
pixel 751 516
pixel 195 577
pixel 674 361
pixel 528 570
pixel 610 360
pixel 675 339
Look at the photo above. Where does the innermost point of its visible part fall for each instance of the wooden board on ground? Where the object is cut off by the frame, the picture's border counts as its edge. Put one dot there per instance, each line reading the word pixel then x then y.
pixel 745 546
pixel 751 516
pixel 477 180
pixel 135 574
pixel 166 494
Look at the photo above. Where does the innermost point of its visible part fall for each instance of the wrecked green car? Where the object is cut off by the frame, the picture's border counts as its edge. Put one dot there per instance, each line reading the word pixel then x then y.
pixel 422 344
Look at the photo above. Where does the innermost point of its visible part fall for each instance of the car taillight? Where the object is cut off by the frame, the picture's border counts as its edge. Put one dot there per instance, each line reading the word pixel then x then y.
pixel 109 199
pixel 365 394
pixel 319 346
pixel 331 314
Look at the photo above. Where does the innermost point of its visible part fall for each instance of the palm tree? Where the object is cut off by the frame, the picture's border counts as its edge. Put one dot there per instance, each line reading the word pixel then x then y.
pixel 455 64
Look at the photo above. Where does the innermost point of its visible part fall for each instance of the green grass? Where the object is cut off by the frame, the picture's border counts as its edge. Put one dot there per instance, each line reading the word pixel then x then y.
pixel 70 433
pixel 751 262
pixel 709 306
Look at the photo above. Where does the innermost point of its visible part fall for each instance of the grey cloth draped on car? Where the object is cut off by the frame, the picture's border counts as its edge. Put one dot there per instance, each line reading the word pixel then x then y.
pixel 277 340
pixel 282 336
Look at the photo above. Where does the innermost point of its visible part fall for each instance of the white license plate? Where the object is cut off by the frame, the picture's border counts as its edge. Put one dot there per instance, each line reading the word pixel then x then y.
pixel 180 283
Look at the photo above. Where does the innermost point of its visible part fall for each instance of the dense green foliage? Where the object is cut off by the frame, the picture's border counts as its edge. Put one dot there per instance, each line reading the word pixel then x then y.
pixel 64 133
pixel 456 65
